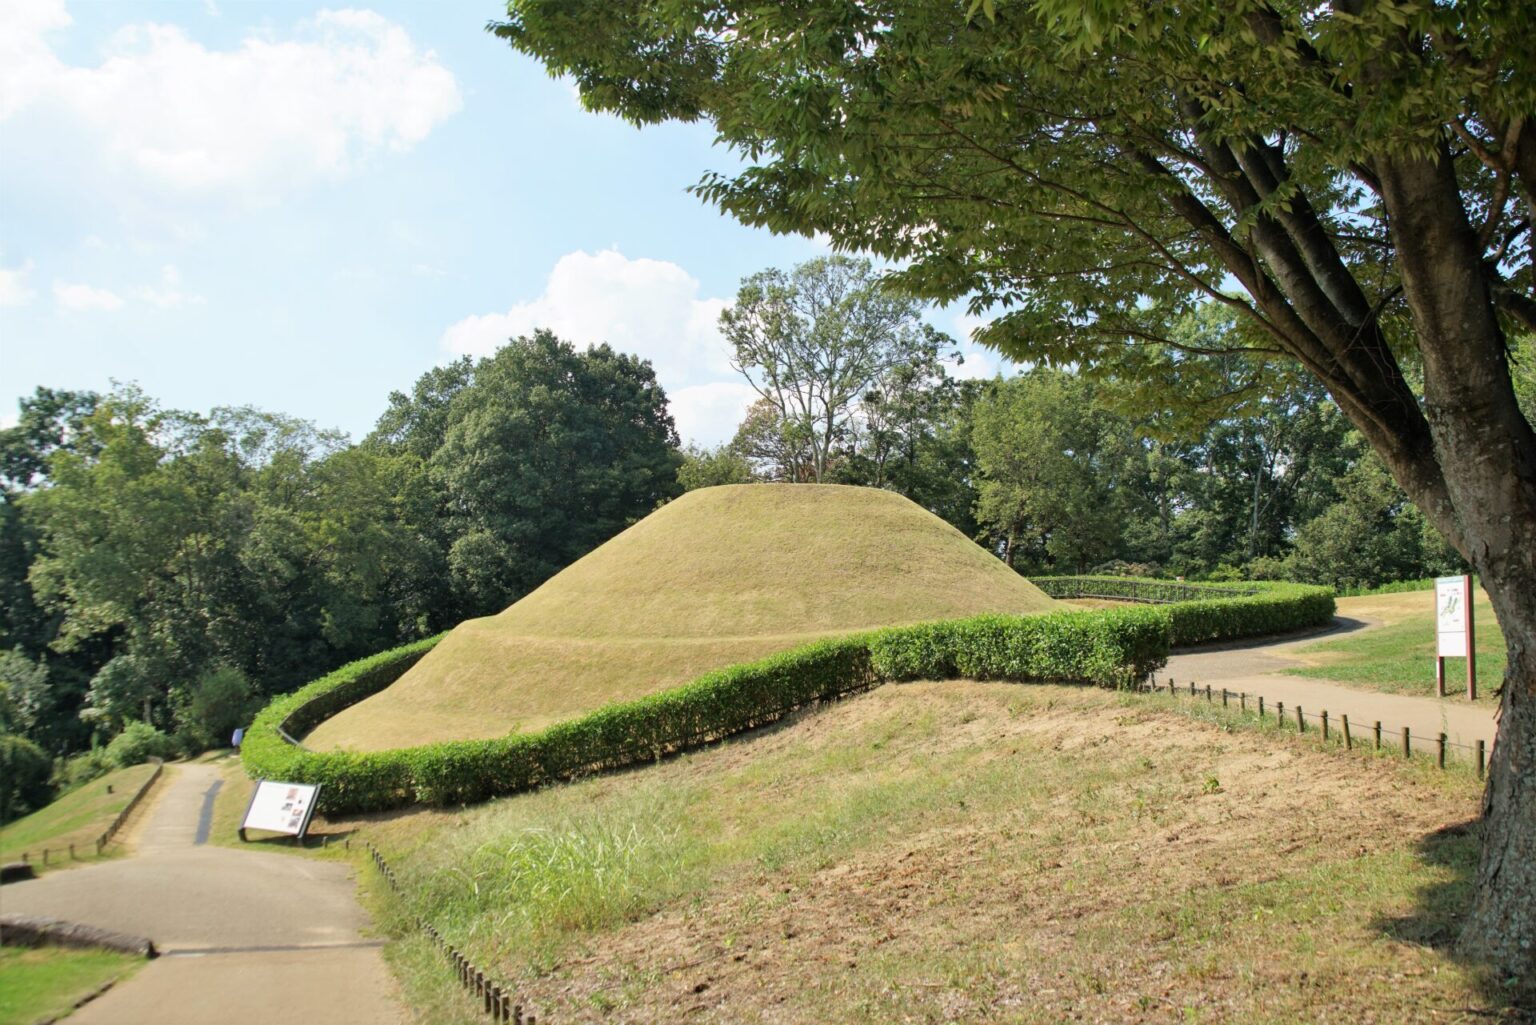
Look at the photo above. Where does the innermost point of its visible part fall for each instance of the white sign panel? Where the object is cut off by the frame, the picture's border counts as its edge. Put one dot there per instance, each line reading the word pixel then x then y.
pixel 1451 600
pixel 281 807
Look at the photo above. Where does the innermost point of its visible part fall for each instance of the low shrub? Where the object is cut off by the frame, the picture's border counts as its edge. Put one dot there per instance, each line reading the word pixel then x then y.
pixel 25 769
pixel 138 743
pixel 1110 648
pixel 69 773
pixel 1272 609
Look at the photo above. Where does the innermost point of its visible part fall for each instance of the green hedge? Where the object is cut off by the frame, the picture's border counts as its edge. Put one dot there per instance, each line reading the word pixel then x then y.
pixel 1111 648
pixel 1275 609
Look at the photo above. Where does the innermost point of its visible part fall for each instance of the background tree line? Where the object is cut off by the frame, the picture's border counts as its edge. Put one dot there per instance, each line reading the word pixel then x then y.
pixel 163 573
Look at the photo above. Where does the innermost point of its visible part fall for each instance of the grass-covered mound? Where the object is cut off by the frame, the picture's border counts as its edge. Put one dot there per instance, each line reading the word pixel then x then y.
pixel 719 577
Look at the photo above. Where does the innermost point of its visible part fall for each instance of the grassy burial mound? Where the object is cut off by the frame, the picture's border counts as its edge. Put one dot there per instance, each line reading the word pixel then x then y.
pixel 720 576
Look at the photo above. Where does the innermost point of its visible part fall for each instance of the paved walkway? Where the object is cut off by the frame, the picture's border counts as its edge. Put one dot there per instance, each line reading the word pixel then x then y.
pixel 1257 669
pixel 247 936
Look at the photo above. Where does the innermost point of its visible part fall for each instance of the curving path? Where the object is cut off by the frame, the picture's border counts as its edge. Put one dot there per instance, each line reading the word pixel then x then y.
pixel 1257 669
pixel 245 936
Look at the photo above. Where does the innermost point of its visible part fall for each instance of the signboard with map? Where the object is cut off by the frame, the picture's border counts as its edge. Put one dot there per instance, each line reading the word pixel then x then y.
pixel 281 807
pixel 1455 634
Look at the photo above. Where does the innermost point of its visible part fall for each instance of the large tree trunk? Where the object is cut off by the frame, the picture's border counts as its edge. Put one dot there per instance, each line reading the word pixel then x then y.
pixel 1485 454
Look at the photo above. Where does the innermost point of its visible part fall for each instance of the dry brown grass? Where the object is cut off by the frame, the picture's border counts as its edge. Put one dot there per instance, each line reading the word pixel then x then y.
pixel 969 852
pixel 720 576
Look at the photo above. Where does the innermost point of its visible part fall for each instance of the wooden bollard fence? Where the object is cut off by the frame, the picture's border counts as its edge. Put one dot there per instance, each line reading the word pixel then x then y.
pixel 1207 693
pixel 1378 734
pixel 1325 726
pixel 1301 724
pixel 1279 713
pixel 1242 701
pixel 1224 697
pixel 1261 708
pixel 1440 753
pixel 1481 759
pixel 1407 744
pixel 1349 742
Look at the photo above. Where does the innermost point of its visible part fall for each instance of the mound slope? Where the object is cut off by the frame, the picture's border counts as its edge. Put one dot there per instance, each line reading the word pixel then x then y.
pixel 721 575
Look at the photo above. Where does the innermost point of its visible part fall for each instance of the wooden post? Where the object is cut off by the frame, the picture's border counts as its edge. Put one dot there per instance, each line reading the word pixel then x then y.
pixel 1349 742
pixel 1301 724
pixel 1261 708
pixel 1170 686
pixel 517 1014
pixel 1407 744
pixel 1191 688
pixel 1481 759
pixel 1224 697
pixel 1440 754
pixel 1378 734
pixel 1471 645
pixel 1280 713
pixel 1439 675
pixel 1242 701
pixel 1207 693
pixel 1325 726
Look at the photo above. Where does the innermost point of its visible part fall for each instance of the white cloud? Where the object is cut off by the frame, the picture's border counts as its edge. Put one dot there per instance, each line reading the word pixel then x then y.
pixel 980 362
pixel 85 297
pixel 267 115
pixel 14 288
pixel 168 295
pixel 709 414
pixel 648 307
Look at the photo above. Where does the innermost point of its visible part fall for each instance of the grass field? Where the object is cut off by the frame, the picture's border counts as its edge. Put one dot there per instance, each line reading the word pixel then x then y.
pixel 720 576
pixel 1399 655
pixel 960 851
pixel 48 981
pixel 78 817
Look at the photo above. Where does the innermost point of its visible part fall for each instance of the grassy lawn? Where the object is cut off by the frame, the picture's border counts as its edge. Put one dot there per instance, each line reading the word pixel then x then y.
pixel 720 576
pixel 78 817
pixel 1398 656
pixel 41 983
pixel 961 851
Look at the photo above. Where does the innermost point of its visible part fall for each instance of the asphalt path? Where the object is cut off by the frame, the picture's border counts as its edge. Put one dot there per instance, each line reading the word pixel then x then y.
pixel 1258 669
pixel 246 936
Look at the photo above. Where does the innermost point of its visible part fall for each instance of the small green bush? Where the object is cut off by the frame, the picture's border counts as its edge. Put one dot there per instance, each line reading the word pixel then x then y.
pixel 138 743
pixel 69 773
pixel 25 769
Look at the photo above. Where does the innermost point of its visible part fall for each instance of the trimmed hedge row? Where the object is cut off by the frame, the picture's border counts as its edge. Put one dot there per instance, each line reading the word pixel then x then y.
pixel 1111 648
pixel 1275 609
pixel 1143 589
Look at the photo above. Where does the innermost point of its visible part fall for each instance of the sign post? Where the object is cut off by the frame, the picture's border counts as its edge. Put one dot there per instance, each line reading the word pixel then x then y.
pixel 281 808
pixel 1454 632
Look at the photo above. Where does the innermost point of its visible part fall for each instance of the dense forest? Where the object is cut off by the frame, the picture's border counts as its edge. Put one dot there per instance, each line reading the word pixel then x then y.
pixel 163 572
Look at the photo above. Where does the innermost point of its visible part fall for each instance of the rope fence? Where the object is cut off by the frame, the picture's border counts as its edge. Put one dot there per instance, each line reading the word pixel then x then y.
pixel 494 998
pixel 106 834
pixel 1333 729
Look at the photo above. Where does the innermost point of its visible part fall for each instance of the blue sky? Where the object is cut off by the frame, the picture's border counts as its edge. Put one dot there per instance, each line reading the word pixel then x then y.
pixel 303 208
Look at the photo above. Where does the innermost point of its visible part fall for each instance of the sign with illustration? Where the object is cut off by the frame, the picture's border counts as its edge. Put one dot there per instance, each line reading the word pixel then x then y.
pixel 1451 601
pixel 1454 633
pixel 281 807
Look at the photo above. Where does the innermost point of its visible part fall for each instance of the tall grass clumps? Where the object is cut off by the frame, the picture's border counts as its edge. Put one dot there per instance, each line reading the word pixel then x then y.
pixel 1109 648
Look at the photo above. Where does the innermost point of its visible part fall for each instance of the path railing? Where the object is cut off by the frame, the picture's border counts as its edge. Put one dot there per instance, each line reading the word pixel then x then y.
pixel 494 998
pixel 1332 729
pixel 68 852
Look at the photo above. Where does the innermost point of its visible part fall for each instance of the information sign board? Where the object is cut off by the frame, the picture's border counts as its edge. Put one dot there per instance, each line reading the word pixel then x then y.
pixel 281 807
pixel 1451 602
